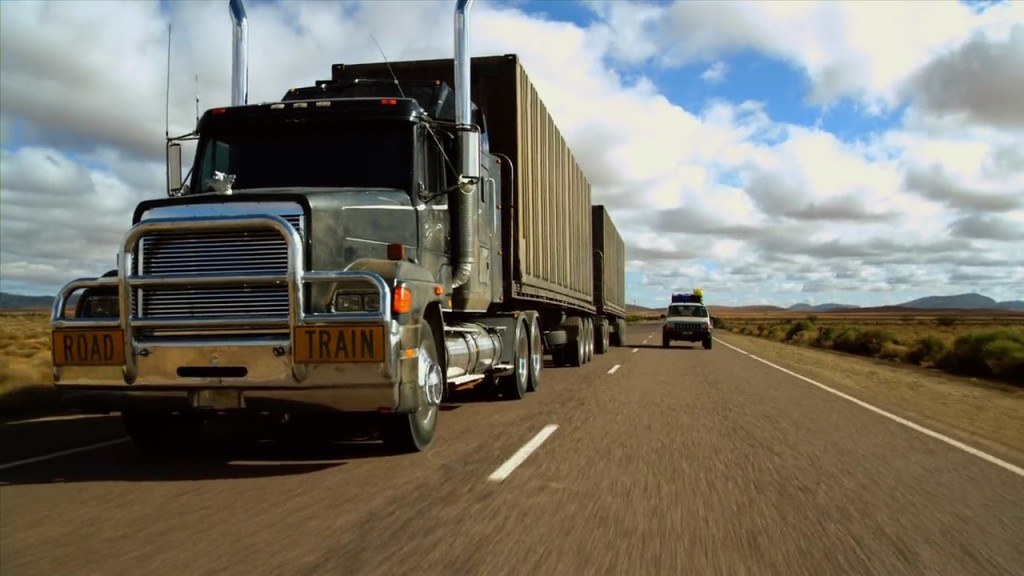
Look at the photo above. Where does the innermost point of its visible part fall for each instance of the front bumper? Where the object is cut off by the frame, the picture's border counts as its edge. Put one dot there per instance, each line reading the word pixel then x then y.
pixel 235 362
pixel 686 334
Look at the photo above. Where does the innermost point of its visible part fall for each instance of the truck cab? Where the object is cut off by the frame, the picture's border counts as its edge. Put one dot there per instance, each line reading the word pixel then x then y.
pixel 687 320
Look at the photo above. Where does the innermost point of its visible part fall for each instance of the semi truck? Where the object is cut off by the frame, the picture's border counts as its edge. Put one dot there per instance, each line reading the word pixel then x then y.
pixel 364 246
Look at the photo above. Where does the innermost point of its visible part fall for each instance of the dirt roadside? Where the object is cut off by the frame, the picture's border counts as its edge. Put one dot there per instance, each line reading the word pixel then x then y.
pixel 986 415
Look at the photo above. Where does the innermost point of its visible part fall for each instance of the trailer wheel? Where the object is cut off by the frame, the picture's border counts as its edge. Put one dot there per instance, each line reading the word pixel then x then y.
pixel 514 386
pixel 536 354
pixel 589 341
pixel 603 339
pixel 413 432
pixel 575 351
pixel 619 337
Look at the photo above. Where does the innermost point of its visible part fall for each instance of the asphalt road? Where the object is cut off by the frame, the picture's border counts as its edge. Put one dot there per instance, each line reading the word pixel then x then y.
pixel 680 461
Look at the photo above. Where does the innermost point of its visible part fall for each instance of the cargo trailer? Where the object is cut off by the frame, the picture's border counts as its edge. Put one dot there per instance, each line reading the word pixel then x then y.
pixel 365 246
pixel 609 281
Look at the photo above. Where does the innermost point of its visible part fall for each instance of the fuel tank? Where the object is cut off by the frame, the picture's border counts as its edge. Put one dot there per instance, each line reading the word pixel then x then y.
pixel 472 349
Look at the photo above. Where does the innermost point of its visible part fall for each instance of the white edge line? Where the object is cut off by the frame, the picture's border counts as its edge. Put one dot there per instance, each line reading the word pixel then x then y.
pixel 926 431
pixel 522 454
pixel 614 368
pixel 636 349
pixel 61 453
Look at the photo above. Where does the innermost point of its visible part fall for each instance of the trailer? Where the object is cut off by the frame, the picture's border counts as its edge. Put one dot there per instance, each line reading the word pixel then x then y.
pixel 365 246
pixel 609 281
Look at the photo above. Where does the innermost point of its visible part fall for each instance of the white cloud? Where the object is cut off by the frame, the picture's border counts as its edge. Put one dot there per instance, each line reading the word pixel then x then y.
pixel 723 196
pixel 715 74
pixel 862 50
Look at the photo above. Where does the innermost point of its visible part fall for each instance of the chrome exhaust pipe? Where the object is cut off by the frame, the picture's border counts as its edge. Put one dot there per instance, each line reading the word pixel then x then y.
pixel 240 53
pixel 469 148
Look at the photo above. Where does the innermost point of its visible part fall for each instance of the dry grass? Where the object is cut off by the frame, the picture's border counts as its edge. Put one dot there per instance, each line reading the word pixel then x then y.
pixel 983 344
pixel 25 363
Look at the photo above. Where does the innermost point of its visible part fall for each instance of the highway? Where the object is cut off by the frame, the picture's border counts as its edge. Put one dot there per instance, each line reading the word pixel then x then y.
pixel 645 461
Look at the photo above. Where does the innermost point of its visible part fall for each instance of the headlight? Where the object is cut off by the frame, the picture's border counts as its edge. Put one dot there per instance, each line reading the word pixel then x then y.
pixel 348 303
pixel 356 302
pixel 100 307
pixel 371 302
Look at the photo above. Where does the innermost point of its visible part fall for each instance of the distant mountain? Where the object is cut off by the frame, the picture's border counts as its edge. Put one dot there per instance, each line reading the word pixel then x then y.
pixel 803 307
pixel 715 309
pixel 1010 305
pixel 640 310
pixel 970 301
pixel 19 302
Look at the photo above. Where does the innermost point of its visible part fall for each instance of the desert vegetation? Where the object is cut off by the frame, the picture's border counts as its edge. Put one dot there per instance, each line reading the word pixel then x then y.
pixel 979 344
pixel 25 364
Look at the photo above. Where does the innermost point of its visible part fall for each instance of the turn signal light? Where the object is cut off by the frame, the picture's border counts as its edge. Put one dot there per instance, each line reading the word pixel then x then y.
pixel 402 302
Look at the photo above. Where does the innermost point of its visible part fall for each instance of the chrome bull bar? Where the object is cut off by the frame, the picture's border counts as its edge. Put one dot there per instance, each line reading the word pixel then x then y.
pixel 295 278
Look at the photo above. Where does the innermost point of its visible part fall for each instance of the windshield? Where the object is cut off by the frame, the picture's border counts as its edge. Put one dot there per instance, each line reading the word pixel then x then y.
pixel 301 154
pixel 694 311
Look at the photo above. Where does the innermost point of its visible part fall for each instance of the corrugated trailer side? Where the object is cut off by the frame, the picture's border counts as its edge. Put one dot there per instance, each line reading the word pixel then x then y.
pixel 609 265
pixel 546 198
pixel 552 209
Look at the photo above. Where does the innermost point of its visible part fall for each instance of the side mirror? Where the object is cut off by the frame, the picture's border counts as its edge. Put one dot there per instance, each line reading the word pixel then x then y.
pixel 173 169
pixel 469 155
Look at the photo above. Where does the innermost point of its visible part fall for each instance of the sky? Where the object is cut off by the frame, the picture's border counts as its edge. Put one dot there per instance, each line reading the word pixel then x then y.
pixel 863 153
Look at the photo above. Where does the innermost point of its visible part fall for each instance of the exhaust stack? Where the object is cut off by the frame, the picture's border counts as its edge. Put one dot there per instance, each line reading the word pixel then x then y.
pixel 240 53
pixel 469 148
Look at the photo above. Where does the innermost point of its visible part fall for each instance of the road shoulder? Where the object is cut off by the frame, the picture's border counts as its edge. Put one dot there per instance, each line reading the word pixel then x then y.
pixel 985 415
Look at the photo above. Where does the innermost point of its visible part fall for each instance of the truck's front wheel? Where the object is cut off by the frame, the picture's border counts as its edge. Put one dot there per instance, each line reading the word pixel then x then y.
pixel 163 432
pixel 413 432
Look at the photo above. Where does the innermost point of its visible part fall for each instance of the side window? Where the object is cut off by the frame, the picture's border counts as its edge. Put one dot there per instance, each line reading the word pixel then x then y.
pixel 436 173
pixel 216 157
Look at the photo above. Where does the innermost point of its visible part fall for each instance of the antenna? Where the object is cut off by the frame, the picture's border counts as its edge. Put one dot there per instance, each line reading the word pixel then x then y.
pixel 197 99
pixel 389 65
pixel 167 101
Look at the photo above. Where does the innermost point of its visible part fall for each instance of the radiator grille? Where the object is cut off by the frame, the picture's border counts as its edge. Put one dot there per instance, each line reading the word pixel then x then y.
pixel 687 325
pixel 258 251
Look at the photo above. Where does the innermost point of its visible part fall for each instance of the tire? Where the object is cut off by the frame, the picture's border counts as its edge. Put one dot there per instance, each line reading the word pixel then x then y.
pixel 515 385
pixel 620 333
pixel 556 338
pixel 574 350
pixel 536 354
pixel 615 336
pixel 413 432
pixel 588 340
pixel 665 342
pixel 163 433
pixel 601 341
pixel 707 343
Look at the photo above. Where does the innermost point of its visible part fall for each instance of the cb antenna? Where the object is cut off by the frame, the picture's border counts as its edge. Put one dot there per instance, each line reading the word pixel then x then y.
pixel 384 56
pixel 167 101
